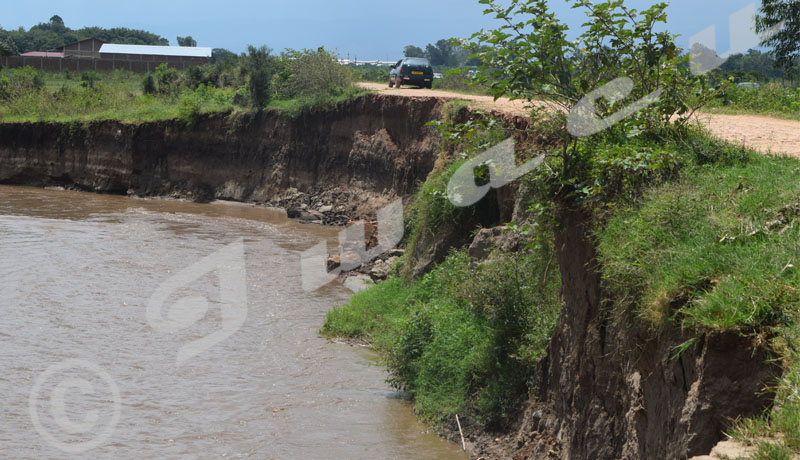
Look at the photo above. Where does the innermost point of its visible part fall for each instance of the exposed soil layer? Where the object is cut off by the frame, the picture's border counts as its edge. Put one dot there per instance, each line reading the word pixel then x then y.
pixel 614 389
pixel 367 150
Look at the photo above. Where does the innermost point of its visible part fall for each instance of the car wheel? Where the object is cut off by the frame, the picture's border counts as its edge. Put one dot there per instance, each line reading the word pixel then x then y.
pixel 398 83
pixel 391 82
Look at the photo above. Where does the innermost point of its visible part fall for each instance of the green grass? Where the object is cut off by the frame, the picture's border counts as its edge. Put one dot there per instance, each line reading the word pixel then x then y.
pixel 767 450
pixel 294 107
pixel 461 340
pixel 66 97
pixel 770 99
pixel 718 237
pixel 726 110
pixel 718 249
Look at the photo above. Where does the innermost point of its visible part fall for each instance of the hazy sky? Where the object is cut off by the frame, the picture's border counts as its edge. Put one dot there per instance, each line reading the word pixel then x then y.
pixel 376 29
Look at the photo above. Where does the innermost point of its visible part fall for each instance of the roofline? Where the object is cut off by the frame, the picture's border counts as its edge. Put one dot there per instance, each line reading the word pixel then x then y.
pixel 153 50
pixel 79 41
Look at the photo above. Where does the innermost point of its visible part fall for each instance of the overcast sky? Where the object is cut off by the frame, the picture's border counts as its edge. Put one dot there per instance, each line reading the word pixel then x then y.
pixel 367 29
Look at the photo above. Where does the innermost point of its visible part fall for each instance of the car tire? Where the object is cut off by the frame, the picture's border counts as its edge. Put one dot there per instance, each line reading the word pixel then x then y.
pixel 391 82
pixel 398 83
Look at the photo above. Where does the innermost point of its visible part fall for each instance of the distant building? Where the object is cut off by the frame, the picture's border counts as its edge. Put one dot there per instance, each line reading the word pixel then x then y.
pixel 45 54
pixel 86 49
pixel 94 54
pixel 159 54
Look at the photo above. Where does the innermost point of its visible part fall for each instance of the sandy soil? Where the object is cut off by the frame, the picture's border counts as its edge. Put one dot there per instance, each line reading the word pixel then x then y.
pixel 485 102
pixel 767 135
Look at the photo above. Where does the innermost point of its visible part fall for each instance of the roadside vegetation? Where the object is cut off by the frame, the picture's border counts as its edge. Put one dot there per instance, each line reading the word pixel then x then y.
pixel 692 233
pixel 256 80
pixel 771 99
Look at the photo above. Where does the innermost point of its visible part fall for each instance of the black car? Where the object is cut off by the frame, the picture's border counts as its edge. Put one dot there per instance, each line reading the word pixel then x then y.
pixel 411 71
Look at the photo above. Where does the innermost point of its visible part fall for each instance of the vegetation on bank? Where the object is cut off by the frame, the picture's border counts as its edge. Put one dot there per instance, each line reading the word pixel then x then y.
pixel 692 233
pixel 257 80
pixel 462 340
pixel 717 249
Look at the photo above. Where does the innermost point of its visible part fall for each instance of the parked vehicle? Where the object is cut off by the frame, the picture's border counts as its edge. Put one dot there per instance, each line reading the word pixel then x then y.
pixel 411 71
pixel 438 76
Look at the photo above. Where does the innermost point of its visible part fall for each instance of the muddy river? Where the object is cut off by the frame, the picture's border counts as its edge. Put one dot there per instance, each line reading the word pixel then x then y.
pixel 160 329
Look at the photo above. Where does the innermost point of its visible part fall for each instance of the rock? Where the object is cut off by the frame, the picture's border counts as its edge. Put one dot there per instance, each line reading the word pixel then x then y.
pixel 334 262
pixel 324 209
pixel 732 449
pixel 294 213
pixel 358 282
pixel 488 239
pixel 396 252
pixel 382 268
pixel 310 216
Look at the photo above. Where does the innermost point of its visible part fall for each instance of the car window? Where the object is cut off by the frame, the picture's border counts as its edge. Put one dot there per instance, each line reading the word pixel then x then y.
pixel 418 62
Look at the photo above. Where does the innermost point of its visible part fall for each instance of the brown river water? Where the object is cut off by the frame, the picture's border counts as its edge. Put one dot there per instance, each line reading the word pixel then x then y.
pixel 122 336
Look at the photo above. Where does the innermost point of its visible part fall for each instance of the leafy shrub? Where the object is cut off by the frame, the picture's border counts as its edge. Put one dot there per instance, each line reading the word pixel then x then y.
pixel 89 79
pixel 369 72
pixel 149 85
pixel 167 78
pixel 770 98
pixel 314 74
pixel 459 80
pixel 189 107
pixel 16 82
pixel 259 66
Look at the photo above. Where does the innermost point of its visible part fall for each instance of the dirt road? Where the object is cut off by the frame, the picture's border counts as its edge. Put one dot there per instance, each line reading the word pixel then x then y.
pixel 767 135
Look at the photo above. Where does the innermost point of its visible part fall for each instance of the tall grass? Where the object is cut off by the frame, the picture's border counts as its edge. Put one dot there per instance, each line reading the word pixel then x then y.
pixel 718 249
pixel 770 99
pixel 462 340
pixel 293 82
pixel 64 97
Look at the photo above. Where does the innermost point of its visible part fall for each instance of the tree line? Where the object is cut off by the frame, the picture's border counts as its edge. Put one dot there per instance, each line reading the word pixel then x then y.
pixel 50 35
pixel 445 53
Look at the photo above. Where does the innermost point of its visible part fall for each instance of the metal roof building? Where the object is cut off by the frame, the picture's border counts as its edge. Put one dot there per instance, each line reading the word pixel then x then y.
pixel 147 50
pixel 94 54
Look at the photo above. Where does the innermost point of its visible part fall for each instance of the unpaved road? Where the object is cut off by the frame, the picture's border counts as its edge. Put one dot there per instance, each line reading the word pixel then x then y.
pixel 767 135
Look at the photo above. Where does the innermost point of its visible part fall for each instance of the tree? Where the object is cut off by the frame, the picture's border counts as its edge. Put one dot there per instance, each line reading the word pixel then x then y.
pixel 442 54
pixel 7 47
pixel 223 58
pixel 56 21
pixel 616 78
pixel 785 43
pixel 149 85
pixel 53 34
pixel 313 73
pixel 413 51
pixel 186 41
pixel 260 66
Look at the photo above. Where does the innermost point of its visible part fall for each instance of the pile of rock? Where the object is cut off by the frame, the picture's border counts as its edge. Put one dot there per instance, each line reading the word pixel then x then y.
pixel 377 270
pixel 331 207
